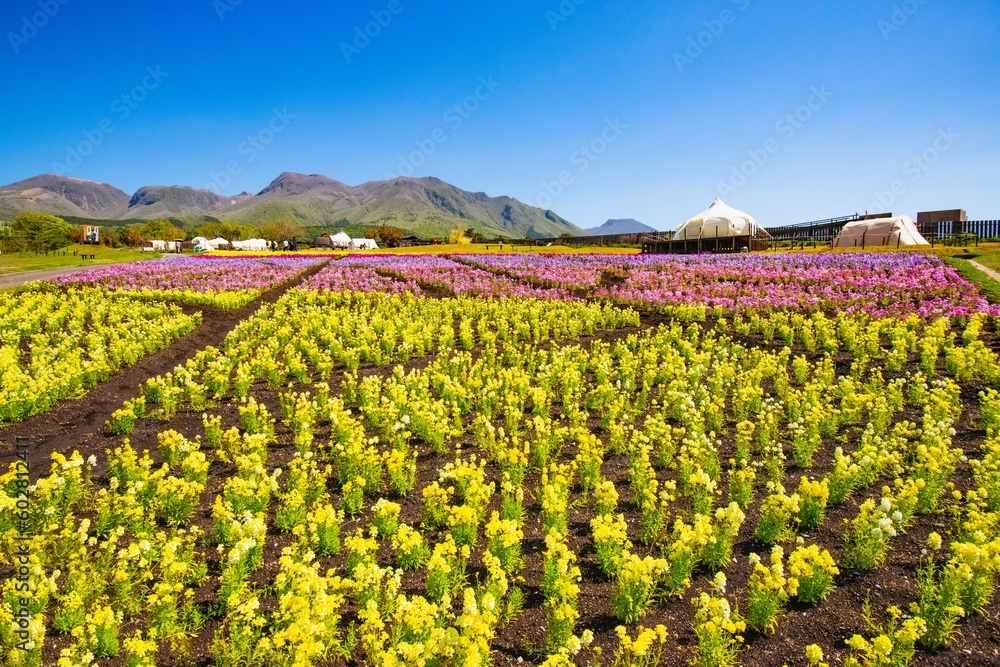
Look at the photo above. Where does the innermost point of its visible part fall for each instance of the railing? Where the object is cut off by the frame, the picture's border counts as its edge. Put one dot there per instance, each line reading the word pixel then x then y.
pixel 982 229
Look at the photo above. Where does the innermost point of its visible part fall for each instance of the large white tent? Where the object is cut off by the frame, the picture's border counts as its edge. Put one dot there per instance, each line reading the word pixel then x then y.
pixel 340 240
pixel 250 244
pixel 719 221
pixel 897 231
pixel 216 243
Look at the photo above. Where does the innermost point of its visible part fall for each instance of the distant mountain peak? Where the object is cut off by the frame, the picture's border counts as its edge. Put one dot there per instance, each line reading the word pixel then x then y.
pixel 62 195
pixel 620 226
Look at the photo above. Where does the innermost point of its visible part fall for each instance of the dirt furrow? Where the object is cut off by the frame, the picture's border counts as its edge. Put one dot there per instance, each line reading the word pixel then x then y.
pixel 69 423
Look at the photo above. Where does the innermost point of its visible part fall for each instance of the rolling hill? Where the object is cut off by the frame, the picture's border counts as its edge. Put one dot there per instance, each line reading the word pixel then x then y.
pixel 423 206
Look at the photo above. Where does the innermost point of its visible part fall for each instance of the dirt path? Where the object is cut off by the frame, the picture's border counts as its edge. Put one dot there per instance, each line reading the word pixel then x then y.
pixel 985 269
pixel 69 423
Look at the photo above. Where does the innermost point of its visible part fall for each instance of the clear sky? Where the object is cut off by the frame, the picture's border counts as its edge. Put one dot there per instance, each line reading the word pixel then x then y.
pixel 790 110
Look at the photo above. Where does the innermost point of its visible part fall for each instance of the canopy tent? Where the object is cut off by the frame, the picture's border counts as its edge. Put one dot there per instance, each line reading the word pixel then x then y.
pixel 218 243
pixel 363 244
pixel 250 244
pixel 719 221
pixel 897 231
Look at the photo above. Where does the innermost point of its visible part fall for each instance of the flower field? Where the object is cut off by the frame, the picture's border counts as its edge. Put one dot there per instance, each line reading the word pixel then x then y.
pixel 624 460
pixel 56 346
pixel 224 283
pixel 879 284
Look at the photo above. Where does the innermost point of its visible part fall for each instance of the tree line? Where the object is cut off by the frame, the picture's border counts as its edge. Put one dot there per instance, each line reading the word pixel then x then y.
pixel 39 232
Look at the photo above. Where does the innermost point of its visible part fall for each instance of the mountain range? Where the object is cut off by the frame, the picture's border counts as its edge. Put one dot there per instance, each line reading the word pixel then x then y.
pixel 620 226
pixel 422 206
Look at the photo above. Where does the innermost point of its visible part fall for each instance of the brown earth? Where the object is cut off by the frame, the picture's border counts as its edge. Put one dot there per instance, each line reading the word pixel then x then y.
pixel 70 426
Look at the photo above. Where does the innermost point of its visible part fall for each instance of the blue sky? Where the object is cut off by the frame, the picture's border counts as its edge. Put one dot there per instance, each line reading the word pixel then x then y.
pixel 792 111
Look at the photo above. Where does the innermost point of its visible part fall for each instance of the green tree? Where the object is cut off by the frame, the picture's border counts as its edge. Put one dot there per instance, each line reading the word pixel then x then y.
pixel 161 230
pixel 209 230
pixel 133 236
pixel 475 236
pixel 229 230
pixel 39 231
pixel 248 232
pixel 388 235
pixel 282 229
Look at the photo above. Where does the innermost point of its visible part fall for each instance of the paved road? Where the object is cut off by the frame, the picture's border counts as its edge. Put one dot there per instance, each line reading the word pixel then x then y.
pixel 18 279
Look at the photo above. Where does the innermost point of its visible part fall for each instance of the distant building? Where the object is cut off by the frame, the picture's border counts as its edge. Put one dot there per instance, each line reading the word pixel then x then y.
pixel 937 223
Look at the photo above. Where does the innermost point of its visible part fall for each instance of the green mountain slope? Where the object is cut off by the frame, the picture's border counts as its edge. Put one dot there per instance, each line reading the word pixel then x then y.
pixel 426 207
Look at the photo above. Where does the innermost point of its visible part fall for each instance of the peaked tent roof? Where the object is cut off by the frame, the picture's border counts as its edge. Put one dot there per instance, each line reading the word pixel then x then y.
pixel 900 230
pixel 719 221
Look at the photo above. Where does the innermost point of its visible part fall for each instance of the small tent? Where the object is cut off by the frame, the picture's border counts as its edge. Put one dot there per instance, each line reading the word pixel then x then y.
pixel 363 244
pixel 218 243
pixel 719 221
pixel 898 231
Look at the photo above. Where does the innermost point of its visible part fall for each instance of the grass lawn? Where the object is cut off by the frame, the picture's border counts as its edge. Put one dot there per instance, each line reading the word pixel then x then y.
pixel 29 261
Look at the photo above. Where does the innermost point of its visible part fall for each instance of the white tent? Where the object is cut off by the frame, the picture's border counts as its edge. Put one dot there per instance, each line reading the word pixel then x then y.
pixel 200 240
pixel 159 245
pixel 338 240
pixel 719 221
pixel 363 244
pixel 255 245
pixel 218 242
pixel 897 231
